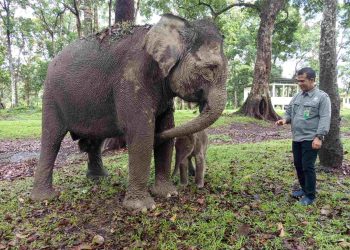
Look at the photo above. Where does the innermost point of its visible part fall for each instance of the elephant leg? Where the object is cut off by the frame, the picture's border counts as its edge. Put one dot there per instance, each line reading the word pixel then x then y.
pixel 95 165
pixel 140 153
pixel 53 133
pixel 184 172
pixel 200 169
pixel 191 170
pixel 183 150
pixel 162 159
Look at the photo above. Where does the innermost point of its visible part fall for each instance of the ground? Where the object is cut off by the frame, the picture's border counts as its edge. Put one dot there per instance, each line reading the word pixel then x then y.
pixel 18 158
pixel 245 203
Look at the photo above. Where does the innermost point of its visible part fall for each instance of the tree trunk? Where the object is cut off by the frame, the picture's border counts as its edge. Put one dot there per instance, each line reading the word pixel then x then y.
pixel 96 27
pixel 331 153
pixel 7 21
pixel 87 22
pixel 109 13
pixel 235 103
pixel 124 10
pixel 76 12
pixel 258 103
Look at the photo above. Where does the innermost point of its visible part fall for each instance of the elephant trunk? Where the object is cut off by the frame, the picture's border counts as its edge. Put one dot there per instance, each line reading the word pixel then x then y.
pixel 213 108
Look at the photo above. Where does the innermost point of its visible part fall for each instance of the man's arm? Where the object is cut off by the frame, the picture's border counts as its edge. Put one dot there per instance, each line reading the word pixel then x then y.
pixel 325 116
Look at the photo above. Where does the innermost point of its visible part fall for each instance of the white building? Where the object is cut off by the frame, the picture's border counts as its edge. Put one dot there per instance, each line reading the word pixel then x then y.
pixel 281 91
pixel 346 101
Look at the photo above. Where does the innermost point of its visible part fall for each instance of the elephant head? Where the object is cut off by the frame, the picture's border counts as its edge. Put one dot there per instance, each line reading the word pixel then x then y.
pixel 191 59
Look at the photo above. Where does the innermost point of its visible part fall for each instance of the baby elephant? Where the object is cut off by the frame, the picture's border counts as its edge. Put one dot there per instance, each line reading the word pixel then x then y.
pixel 194 145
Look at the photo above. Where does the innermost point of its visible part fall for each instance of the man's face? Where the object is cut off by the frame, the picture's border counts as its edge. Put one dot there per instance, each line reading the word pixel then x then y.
pixel 304 83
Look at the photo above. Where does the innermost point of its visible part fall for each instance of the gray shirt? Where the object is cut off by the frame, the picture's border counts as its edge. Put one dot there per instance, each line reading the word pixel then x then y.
pixel 309 114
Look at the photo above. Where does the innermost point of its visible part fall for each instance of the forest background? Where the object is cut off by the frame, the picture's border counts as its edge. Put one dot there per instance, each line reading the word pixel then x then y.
pixel 33 32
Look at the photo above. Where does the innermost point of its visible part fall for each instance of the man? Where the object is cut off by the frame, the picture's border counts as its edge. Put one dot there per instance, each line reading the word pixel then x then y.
pixel 309 113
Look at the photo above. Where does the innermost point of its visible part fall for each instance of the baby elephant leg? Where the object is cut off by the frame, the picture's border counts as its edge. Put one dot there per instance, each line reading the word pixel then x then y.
pixel 184 172
pixel 200 169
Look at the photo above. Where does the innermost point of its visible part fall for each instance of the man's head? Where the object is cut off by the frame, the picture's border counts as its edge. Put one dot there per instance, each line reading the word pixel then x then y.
pixel 306 78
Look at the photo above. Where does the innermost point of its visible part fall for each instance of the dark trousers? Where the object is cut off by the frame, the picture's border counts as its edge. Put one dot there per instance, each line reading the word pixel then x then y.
pixel 304 162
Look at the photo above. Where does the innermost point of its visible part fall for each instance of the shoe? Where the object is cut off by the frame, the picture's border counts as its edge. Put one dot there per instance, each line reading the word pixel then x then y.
pixel 305 201
pixel 298 193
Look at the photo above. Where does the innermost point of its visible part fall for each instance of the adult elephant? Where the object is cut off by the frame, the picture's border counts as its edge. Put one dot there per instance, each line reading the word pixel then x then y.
pixel 106 85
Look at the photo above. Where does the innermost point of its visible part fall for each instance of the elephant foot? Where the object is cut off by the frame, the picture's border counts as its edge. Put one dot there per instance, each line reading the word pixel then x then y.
pixel 41 194
pixel 200 184
pixel 164 189
pixel 96 174
pixel 139 202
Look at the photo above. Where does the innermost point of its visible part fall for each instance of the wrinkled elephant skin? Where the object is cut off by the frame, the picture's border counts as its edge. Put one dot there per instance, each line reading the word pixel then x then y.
pixel 105 86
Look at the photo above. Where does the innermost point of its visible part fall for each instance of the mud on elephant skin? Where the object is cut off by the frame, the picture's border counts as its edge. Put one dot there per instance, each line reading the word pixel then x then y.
pixel 188 147
pixel 108 85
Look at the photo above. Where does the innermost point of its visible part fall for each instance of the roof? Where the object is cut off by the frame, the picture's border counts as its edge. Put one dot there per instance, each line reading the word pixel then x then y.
pixel 283 80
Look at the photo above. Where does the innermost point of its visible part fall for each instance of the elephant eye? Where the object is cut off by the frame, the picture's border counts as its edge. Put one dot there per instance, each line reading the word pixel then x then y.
pixel 212 67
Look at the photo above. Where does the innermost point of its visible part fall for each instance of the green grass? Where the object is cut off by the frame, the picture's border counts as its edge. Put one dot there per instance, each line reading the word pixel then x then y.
pixel 20 123
pixel 241 192
pixel 26 123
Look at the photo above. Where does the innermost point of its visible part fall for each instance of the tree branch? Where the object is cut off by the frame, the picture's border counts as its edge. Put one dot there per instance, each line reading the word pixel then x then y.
pixel 215 14
pixel 70 8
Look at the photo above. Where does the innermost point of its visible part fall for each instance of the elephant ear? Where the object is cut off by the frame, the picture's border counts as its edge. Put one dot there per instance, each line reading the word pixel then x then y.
pixel 165 41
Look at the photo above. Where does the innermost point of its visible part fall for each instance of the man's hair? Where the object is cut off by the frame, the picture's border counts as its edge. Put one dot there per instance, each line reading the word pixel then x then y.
pixel 310 73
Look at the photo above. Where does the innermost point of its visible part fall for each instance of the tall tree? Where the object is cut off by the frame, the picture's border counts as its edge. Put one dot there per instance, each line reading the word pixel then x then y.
pixel 50 16
pixel 331 153
pixel 87 22
pixel 7 19
pixel 74 7
pixel 124 10
pixel 258 103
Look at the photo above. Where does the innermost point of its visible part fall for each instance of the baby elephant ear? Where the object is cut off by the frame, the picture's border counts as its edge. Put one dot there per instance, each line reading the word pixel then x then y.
pixel 164 41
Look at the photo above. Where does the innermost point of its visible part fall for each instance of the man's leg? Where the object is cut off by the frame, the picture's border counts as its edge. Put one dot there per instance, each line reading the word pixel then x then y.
pixel 309 156
pixel 297 155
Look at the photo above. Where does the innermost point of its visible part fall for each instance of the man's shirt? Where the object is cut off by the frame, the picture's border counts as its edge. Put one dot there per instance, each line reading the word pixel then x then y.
pixel 309 114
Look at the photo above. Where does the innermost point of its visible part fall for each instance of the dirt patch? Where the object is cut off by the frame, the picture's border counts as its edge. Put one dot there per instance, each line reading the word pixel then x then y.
pixel 18 158
pixel 245 133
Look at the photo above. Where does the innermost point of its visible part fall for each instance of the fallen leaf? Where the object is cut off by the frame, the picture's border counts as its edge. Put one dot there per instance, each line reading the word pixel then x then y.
pixel 246 207
pixel 344 244
pixel 326 210
pixel 201 200
pixel 243 229
pixel 280 230
pixel 21 236
pixel 84 246
pixel 173 218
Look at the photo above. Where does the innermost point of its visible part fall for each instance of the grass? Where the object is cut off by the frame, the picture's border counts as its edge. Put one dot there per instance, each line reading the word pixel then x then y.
pixel 20 123
pixel 26 123
pixel 245 204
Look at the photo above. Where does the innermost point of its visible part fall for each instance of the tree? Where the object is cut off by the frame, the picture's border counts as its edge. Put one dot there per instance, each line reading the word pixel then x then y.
pixel 124 10
pixel 50 16
pixel 74 7
pixel 7 20
pixel 258 103
pixel 331 153
pixel 87 23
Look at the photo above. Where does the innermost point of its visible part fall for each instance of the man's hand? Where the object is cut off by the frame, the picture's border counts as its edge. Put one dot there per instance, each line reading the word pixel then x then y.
pixel 316 143
pixel 281 122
